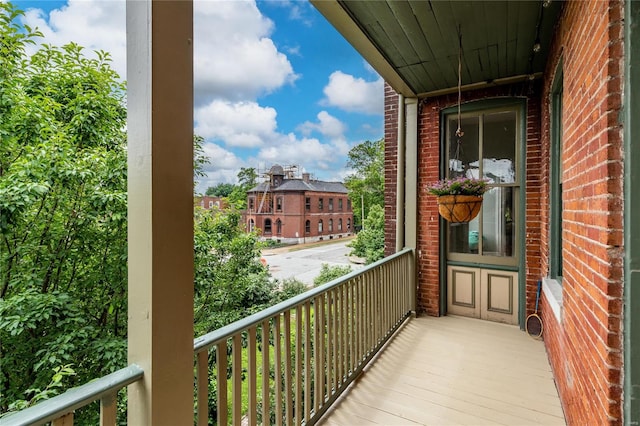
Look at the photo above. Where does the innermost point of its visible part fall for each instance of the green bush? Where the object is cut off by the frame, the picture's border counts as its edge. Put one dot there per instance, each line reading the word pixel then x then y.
pixel 330 273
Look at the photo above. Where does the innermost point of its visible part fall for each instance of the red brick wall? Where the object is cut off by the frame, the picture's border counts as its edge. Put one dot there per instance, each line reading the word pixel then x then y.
pixel 390 167
pixel 585 346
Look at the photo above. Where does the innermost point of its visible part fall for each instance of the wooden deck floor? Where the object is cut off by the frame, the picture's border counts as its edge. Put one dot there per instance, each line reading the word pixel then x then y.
pixel 454 371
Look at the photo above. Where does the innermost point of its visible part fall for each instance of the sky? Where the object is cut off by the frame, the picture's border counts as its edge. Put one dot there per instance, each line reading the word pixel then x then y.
pixel 274 82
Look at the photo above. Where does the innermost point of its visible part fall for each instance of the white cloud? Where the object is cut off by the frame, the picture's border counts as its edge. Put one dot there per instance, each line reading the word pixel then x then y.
pixel 354 94
pixel 234 57
pixel 240 124
pixel 95 25
pixel 327 125
pixel 223 167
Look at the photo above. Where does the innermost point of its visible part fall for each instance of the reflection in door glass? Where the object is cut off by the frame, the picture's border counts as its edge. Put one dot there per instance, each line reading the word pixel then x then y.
pixel 463 156
pixel 497 222
pixel 499 148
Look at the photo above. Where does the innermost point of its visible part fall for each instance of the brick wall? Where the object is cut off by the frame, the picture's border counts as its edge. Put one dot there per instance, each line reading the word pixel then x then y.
pixel 585 346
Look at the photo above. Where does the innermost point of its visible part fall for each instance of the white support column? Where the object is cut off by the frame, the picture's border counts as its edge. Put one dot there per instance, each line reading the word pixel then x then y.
pixel 411 173
pixel 400 173
pixel 160 196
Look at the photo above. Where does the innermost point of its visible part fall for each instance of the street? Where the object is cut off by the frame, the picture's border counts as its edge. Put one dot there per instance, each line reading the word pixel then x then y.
pixel 304 264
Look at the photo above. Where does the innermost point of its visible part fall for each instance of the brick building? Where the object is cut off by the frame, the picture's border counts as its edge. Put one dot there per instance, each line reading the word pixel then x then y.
pixel 298 210
pixel 208 203
pixel 548 92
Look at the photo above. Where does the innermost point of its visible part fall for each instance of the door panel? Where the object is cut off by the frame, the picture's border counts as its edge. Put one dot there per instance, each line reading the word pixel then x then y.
pixel 464 291
pixel 500 296
pixel 483 293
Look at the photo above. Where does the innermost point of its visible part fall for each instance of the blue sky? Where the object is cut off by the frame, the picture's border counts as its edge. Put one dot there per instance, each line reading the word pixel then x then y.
pixel 274 81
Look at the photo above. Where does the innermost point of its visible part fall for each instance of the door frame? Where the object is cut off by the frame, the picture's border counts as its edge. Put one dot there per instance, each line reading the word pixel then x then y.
pixel 474 106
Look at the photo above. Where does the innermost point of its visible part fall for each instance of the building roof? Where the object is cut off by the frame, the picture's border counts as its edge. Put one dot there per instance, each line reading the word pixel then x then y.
pixel 301 185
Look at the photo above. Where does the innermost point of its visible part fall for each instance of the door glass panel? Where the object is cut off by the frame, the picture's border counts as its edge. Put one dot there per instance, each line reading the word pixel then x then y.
pixel 497 222
pixel 464 156
pixel 463 237
pixel 499 148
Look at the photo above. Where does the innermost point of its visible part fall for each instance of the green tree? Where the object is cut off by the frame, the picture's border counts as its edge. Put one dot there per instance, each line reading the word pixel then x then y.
pixel 63 213
pixel 220 190
pixel 247 179
pixel 369 243
pixel 366 184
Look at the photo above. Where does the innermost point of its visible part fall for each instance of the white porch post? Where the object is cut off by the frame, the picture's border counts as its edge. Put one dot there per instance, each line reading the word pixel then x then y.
pixel 410 217
pixel 160 196
pixel 411 173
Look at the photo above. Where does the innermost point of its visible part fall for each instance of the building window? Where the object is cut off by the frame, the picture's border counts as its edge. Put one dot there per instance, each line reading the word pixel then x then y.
pixel 330 225
pixel 330 204
pixel 340 204
pixel 252 225
pixel 210 204
pixel 320 226
pixel 307 204
pixel 320 203
pixel 279 204
pixel 267 226
pixel 348 224
pixel 555 178
pixel 348 204
pixel 278 226
pixel 251 203
pixel 340 224
pixel 307 227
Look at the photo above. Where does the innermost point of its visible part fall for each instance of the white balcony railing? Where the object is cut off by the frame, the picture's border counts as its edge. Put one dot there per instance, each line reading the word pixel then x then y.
pixel 284 365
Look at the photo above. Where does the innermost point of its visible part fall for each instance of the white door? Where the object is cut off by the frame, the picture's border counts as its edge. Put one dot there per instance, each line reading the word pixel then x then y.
pixel 483 293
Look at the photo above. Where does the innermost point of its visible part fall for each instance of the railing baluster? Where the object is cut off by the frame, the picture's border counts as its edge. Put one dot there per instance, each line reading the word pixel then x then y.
pixel 221 368
pixel 108 410
pixel 266 369
pixel 344 368
pixel 66 420
pixel 361 317
pixel 236 374
pixel 352 311
pixel 288 386
pixel 251 371
pixel 330 345
pixel 307 356
pixel 202 369
pixel 319 369
pixel 298 368
pixel 277 342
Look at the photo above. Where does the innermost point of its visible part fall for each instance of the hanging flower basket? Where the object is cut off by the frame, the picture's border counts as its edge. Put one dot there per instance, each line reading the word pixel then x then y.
pixel 460 199
pixel 459 208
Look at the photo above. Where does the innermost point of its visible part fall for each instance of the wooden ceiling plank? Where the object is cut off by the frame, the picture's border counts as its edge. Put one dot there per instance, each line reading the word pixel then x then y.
pixel 404 13
pixel 496 34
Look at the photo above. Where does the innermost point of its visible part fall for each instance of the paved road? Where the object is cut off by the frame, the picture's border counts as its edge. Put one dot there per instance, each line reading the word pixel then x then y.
pixel 305 263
